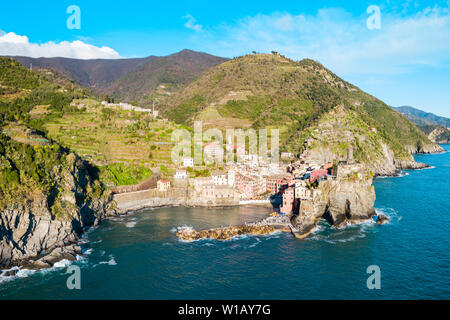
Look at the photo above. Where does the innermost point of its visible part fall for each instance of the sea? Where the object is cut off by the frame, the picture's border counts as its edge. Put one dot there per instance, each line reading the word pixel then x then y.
pixel 138 256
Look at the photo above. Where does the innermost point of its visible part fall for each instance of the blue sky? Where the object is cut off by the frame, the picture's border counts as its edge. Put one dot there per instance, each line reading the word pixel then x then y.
pixel 405 62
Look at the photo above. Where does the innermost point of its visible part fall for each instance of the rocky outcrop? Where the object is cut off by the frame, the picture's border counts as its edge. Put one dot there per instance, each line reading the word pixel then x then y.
pixel 348 199
pixel 267 226
pixel 27 233
pixel 33 231
pixel 226 233
pixel 382 219
pixel 440 135
pixel 429 148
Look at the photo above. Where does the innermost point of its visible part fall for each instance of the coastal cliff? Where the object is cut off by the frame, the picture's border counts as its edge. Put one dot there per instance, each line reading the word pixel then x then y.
pixel 342 129
pixel 348 199
pixel 42 224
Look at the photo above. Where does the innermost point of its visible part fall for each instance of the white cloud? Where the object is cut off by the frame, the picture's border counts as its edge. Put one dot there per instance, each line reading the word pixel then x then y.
pixel 191 23
pixel 16 45
pixel 341 40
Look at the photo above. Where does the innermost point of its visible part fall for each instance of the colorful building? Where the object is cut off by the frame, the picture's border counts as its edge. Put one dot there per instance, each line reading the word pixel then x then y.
pixel 275 183
pixel 288 201
pixel 317 174
pixel 163 185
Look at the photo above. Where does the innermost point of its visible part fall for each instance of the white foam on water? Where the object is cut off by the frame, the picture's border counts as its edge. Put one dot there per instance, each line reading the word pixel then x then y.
pixel 344 234
pixel 131 224
pixel 111 261
pixel 62 264
pixel 87 251
pixel 4 279
pixel 25 273
pixel 81 259
pixel 391 213
pixel 255 244
pixel 429 168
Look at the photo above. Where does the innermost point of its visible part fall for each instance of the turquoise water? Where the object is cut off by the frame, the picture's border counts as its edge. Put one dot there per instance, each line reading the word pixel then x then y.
pixel 139 257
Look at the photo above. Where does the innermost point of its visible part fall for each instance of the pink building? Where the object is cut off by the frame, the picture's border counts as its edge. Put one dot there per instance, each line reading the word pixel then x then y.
pixel 317 173
pixel 249 186
pixel 288 201
pixel 275 183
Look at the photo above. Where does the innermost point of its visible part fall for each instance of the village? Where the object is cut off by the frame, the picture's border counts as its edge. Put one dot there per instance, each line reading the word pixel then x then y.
pixel 253 181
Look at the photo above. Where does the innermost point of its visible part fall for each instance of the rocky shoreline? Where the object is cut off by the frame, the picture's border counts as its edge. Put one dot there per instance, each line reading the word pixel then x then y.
pixel 274 223
pixel 33 239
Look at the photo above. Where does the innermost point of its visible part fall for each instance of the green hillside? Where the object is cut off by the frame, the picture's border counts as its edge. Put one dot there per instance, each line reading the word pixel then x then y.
pixel 266 90
pixel 33 168
pixel 41 109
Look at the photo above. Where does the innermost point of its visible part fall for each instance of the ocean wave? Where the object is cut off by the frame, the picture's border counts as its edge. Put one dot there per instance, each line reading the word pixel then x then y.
pixel 25 273
pixel 131 224
pixel 391 213
pixel 351 232
pixel 87 252
pixel 428 168
pixel 184 227
pixel 111 261
pixel 255 244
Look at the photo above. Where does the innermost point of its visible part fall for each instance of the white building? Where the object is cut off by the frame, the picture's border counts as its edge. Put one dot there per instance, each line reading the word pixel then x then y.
pixel 303 193
pixel 219 178
pixel 286 155
pixel 198 183
pixel 188 162
pixel 182 174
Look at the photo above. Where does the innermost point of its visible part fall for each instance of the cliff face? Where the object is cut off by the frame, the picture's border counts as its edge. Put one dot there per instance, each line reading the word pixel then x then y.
pixel 41 229
pixel 30 232
pixel 429 148
pixel 440 135
pixel 348 199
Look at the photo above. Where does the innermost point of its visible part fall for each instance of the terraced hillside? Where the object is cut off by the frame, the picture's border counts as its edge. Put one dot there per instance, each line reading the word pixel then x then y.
pixel 124 146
